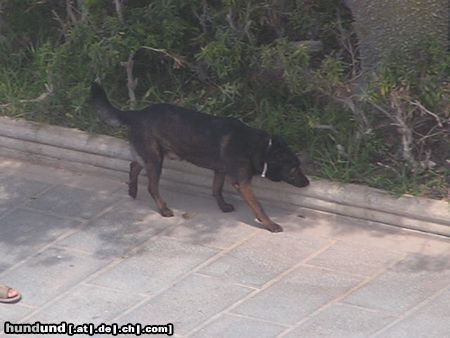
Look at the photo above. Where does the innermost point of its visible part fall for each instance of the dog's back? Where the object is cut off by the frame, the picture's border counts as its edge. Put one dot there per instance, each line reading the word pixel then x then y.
pixel 190 135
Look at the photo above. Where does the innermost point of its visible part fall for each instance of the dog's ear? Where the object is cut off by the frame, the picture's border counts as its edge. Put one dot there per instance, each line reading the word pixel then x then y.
pixel 97 91
pixel 305 160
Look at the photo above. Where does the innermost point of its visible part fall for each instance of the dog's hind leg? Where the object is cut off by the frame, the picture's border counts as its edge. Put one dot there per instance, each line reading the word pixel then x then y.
pixel 153 167
pixel 219 179
pixel 135 169
pixel 247 194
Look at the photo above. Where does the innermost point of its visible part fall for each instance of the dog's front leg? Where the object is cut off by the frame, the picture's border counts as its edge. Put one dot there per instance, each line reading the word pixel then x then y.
pixel 248 196
pixel 219 179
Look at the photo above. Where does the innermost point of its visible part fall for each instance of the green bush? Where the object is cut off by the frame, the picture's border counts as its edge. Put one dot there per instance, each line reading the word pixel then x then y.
pixel 245 59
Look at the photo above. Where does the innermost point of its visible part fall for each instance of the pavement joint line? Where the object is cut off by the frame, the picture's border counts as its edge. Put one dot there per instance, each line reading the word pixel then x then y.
pixel 255 319
pixel 416 307
pixel 339 298
pixel 74 250
pixel 91 284
pixel 52 214
pixel 234 283
pixel 263 287
pixel 186 274
pixel 102 287
pixel 368 309
pixel 28 306
pixel 323 268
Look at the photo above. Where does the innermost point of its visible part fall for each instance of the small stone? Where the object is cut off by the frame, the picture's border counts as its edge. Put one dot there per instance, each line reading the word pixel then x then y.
pixel 187 216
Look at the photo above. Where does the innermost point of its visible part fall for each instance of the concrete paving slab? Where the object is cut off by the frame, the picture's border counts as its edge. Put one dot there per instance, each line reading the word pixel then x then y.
pixel 188 303
pixel 159 261
pixel 233 326
pixel 342 321
pixel 355 259
pixel 14 191
pixel 430 320
pixel 50 272
pixel 262 258
pixel 405 285
pixel 87 304
pixel 297 295
pixel 126 225
pixel 73 202
pixel 25 231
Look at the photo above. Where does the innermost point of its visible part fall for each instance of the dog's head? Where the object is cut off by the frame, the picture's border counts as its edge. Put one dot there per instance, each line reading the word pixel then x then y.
pixel 284 165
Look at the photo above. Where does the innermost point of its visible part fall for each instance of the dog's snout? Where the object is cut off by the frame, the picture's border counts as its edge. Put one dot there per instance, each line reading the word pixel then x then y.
pixel 302 180
pixel 305 182
pixel 298 179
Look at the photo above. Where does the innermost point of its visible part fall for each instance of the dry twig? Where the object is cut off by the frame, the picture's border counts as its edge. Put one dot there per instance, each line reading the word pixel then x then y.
pixel 119 10
pixel 131 81
pixel 425 110
pixel 42 97
pixel 180 62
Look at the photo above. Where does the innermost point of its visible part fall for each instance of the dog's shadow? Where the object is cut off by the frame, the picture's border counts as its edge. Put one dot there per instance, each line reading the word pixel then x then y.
pixel 197 218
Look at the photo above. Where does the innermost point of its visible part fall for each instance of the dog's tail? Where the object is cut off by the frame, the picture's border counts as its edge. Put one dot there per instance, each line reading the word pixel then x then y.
pixel 105 110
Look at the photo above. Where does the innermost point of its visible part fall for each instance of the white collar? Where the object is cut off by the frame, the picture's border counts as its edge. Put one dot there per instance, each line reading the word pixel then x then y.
pixel 263 174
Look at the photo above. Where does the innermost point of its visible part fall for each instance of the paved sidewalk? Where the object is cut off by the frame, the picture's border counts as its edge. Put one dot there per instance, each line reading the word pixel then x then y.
pixel 81 251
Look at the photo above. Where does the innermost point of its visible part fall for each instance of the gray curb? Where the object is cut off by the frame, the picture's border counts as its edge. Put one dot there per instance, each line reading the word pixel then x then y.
pixel 83 149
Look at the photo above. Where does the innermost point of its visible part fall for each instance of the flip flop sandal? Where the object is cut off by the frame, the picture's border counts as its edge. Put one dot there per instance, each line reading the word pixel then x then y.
pixel 4 295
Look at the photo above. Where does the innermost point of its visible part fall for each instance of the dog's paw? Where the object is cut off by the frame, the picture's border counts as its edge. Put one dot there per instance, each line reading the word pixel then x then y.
pixel 274 227
pixel 132 191
pixel 166 212
pixel 227 207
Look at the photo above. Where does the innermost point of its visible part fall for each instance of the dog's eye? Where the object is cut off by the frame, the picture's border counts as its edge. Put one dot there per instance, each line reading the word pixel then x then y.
pixel 293 171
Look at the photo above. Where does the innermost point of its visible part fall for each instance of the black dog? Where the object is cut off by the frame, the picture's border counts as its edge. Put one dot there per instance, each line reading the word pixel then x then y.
pixel 222 144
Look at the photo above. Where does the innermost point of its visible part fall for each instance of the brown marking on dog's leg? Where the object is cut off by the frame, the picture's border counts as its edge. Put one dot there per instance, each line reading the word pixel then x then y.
pixel 154 172
pixel 135 170
pixel 246 192
pixel 219 179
